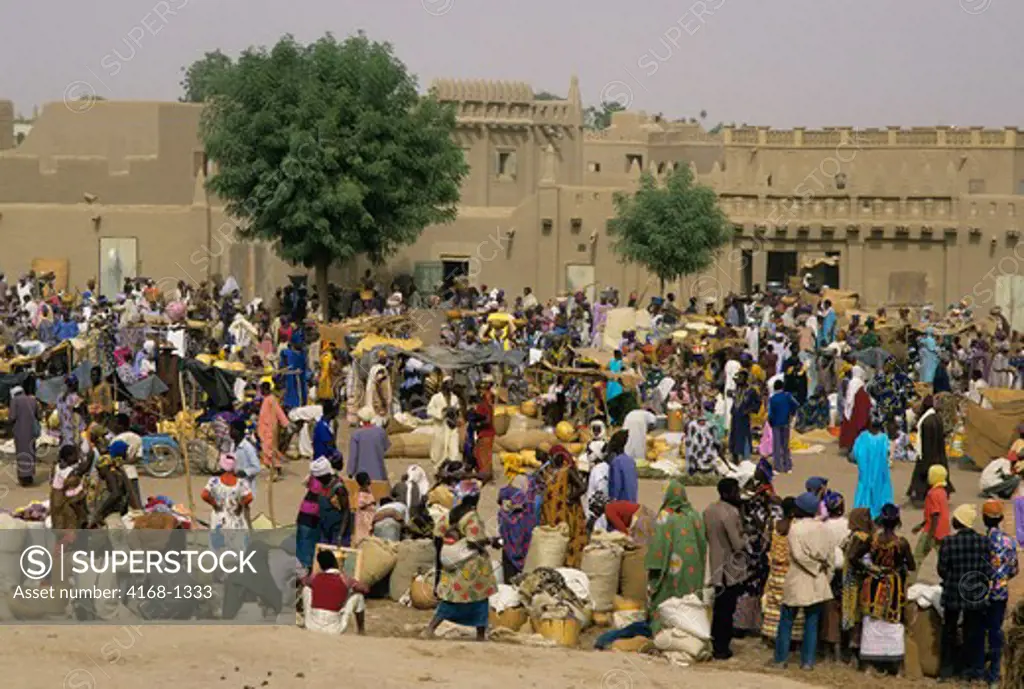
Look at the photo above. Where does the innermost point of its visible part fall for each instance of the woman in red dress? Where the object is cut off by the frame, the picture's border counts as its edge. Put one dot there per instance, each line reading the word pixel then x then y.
pixel 856 409
pixel 484 446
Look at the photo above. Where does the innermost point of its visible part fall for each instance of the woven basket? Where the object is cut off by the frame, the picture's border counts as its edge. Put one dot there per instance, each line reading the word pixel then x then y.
pixel 421 591
pixel 509 618
pixel 565 632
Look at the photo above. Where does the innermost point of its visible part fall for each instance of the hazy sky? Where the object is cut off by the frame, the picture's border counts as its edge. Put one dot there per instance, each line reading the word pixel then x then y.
pixel 770 62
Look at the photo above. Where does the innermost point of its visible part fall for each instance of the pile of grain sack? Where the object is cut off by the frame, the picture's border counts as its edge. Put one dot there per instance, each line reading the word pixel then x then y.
pixel 608 590
pixel 517 432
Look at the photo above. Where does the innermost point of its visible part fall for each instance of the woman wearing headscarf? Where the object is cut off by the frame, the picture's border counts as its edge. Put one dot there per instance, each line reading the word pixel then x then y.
pixel 891 390
pixel 67 416
pixel 759 510
pixel 112 495
pixel 325 383
pixel 855 548
pixel 464 579
pixel 227 496
pixel 336 516
pixel 516 521
pixel 885 595
pixel 931 450
pixel 701 445
pixel 483 413
pixel 564 488
pixel 856 409
pixel 596 498
pixel 874 483
pixel 928 355
pixel 307 524
pixel 24 417
pixel 676 554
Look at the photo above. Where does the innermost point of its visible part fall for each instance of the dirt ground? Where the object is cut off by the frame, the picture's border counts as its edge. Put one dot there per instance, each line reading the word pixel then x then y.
pixel 80 657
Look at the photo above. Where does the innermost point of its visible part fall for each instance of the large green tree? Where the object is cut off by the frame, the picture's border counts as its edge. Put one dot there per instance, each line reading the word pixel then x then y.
pixel 329 151
pixel 200 80
pixel 674 229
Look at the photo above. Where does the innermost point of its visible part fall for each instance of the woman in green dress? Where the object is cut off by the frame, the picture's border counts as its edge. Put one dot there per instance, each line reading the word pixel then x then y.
pixel 676 554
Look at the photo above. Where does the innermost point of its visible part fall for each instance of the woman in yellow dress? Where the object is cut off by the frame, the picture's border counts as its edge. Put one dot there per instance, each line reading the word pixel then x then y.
pixel 325 386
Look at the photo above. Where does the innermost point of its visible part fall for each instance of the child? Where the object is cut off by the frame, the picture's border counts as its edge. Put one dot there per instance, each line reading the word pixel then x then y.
pixel 67 494
pixel 366 508
pixel 936 518
pixel 900 447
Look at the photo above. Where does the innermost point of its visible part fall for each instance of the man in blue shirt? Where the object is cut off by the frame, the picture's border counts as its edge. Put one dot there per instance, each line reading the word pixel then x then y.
pixel 623 482
pixel 323 435
pixel 781 408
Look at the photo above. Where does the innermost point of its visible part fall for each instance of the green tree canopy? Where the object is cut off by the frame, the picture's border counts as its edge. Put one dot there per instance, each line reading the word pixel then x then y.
pixel 329 152
pixel 200 81
pixel 600 117
pixel 671 230
pixel 547 95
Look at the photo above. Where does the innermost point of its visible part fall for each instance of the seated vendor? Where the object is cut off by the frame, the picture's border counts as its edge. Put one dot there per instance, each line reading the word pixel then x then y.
pixel 330 599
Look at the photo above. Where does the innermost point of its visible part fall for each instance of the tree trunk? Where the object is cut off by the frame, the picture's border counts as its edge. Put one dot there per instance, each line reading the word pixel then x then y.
pixel 661 282
pixel 321 267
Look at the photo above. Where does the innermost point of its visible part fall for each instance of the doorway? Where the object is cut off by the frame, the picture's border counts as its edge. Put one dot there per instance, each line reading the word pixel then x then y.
pixel 454 268
pixel 747 272
pixel 118 262
pixel 830 274
pixel 781 267
pixel 580 278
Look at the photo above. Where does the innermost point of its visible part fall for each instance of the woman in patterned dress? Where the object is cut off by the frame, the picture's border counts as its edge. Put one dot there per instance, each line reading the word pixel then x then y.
pixel 701 446
pixel 676 555
pixel 760 512
pixel 778 564
pixel 856 547
pixel 227 496
pixel 564 488
pixel 463 587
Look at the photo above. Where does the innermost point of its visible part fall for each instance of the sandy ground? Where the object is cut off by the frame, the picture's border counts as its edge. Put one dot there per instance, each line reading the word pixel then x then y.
pixel 237 658
pixel 90 657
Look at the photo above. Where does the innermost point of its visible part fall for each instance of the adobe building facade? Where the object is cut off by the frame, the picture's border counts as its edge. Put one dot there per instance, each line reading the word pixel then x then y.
pixel 903 216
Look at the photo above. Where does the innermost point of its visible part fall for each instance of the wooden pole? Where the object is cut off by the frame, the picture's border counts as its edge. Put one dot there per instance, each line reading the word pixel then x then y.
pixel 270 486
pixel 183 441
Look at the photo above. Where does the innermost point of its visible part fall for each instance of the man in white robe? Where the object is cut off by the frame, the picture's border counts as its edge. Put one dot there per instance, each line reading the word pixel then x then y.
pixel 636 424
pixel 445 443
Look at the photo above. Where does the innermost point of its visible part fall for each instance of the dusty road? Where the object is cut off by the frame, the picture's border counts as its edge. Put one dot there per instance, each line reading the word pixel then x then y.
pixel 241 657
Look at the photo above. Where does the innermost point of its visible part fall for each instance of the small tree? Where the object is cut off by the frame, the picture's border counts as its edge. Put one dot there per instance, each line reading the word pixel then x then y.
pixel 200 81
pixel 329 152
pixel 672 230
pixel 600 117
pixel 547 95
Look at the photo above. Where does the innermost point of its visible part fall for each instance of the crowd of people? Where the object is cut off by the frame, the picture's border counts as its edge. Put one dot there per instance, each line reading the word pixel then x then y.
pixel 793 569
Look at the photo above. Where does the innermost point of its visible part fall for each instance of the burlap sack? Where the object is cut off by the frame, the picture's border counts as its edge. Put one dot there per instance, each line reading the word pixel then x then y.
pixel 409 446
pixel 925 628
pixel 379 558
pixel 516 441
pixel 413 557
pixel 633 574
pixel 988 433
pixel 548 547
pixel 601 563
